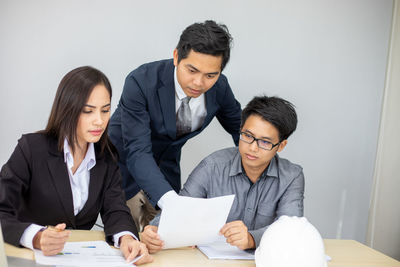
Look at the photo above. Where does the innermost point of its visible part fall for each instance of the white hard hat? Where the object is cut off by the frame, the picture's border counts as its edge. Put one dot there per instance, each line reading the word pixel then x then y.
pixel 291 242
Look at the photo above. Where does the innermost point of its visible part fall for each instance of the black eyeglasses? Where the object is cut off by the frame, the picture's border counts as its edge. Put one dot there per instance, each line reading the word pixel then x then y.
pixel 263 144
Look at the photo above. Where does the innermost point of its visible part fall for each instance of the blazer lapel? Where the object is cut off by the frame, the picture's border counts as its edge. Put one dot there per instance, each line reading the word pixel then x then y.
pixel 211 106
pixel 59 174
pixel 166 94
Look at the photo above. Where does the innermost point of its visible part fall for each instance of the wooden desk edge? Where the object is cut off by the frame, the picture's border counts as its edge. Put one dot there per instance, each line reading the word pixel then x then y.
pixel 335 248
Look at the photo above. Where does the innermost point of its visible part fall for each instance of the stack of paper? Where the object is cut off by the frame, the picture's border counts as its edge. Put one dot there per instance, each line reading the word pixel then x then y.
pixel 224 251
pixel 92 253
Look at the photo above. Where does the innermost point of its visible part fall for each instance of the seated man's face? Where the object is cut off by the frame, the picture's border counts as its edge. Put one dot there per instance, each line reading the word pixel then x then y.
pixel 198 72
pixel 254 157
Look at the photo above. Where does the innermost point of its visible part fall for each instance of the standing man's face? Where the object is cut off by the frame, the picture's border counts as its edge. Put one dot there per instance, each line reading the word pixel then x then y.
pixel 198 72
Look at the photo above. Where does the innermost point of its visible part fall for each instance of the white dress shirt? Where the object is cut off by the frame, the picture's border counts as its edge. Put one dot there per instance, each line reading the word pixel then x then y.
pixel 79 182
pixel 80 179
pixel 197 105
pixel 199 112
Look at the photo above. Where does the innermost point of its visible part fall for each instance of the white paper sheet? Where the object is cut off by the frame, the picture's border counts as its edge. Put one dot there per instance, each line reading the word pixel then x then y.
pixel 220 250
pixel 224 251
pixel 187 221
pixel 92 253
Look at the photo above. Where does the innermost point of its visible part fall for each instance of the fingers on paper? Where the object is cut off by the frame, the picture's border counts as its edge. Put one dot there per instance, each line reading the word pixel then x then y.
pixel 128 248
pixel 146 257
pixel 52 250
pixel 132 248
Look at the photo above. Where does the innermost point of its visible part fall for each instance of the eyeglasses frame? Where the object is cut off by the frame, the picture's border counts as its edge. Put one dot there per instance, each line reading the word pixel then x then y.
pixel 257 139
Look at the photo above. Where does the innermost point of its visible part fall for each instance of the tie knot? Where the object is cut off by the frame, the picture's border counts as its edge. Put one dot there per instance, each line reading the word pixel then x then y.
pixel 186 99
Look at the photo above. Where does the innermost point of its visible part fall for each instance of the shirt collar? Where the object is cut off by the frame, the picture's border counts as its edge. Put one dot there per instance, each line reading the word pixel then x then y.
pixel 236 167
pixel 272 170
pixel 89 160
pixel 178 89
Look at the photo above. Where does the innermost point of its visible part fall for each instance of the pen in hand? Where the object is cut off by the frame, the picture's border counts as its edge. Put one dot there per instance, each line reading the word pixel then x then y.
pixel 51 239
pixel 53 228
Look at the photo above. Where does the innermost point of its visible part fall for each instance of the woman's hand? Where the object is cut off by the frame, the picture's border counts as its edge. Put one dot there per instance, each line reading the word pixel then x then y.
pixel 131 248
pixel 51 241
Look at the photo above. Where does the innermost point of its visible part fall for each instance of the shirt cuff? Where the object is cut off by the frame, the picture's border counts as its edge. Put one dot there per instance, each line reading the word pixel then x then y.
pixel 257 234
pixel 117 236
pixel 28 235
pixel 166 197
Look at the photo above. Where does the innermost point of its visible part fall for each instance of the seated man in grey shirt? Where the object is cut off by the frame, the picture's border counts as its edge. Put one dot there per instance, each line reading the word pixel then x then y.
pixel 265 186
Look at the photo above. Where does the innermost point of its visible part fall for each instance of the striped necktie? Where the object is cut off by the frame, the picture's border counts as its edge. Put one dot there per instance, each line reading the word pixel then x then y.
pixel 184 118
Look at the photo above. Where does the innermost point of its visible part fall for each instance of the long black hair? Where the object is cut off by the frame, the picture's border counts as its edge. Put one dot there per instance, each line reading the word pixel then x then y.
pixel 72 94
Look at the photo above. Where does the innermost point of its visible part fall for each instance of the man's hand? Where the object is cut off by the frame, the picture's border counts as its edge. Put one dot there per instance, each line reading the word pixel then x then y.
pixel 51 241
pixel 132 248
pixel 152 240
pixel 236 234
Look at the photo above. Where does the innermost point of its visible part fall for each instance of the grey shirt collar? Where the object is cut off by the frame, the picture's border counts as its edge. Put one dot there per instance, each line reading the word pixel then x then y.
pixel 236 166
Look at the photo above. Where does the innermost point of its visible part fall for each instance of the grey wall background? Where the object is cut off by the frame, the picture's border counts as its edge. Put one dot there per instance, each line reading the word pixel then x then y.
pixel 327 57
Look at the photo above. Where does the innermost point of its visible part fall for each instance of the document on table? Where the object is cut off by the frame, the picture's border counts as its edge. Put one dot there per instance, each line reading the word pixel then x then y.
pixel 221 250
pixel 187 221
pixel 92 253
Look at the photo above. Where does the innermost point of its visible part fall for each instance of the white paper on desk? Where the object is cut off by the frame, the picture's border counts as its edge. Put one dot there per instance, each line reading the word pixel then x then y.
pixel 222 250
pixel 91 253
pixel 187 221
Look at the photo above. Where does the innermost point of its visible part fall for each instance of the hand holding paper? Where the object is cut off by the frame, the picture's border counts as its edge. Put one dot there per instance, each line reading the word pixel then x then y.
pixel 237 235
pixel 187 221
pixel 152 239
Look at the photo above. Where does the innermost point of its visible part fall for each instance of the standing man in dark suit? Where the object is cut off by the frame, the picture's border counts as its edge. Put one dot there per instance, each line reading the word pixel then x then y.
pixel 165 103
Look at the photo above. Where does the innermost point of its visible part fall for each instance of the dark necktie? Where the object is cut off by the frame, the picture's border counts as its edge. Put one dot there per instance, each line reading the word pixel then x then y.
pixel 184 118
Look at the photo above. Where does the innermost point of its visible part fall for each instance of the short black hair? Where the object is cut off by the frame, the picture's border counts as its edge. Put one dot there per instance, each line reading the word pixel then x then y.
pixel 277 111
pixel 207 38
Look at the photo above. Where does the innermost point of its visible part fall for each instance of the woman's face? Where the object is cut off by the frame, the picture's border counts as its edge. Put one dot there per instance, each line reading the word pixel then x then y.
pixel 94 117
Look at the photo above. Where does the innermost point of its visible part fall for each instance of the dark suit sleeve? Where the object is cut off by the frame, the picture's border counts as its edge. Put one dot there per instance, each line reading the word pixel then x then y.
pixel 195 186
pixel 114 212
pixel 229 115
pixel 15 177
pixel 136 135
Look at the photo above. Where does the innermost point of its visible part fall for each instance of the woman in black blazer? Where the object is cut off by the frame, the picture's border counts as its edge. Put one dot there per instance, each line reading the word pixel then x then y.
pixel 67 174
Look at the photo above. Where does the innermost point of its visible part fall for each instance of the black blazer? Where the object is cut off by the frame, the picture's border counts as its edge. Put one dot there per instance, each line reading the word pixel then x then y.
pixel 143 128
pixel 35 188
